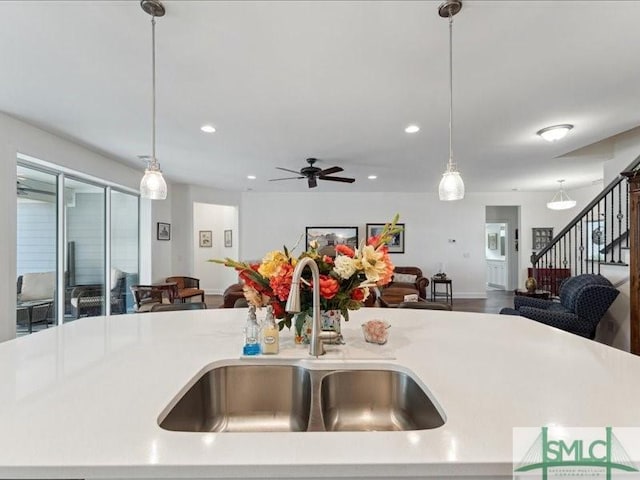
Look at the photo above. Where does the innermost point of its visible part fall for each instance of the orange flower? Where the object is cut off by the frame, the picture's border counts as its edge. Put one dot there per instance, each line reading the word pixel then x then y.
pixel 280 282
pixel 345 250
pixel 374 241
pixel 387 275
pixel 329 287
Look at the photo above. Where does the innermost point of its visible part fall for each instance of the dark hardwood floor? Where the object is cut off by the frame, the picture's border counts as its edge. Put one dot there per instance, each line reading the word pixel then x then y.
pixel 496 299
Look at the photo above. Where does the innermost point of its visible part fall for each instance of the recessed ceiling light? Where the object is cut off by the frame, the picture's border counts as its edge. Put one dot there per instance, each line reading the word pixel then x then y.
pixel 412 129
pixel 555 132
pixel 208 128
pixel 251 177
pixel 372 177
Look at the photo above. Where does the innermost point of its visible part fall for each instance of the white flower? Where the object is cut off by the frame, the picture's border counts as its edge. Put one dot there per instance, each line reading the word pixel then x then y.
pixel 344 266
pixel 370 260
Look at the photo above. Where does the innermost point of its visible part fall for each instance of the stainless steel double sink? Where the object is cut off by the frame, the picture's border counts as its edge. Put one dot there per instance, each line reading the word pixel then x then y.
pixel 291 398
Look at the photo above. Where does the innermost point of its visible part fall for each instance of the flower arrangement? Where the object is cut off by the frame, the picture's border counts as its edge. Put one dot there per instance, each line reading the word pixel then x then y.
pixel 345 280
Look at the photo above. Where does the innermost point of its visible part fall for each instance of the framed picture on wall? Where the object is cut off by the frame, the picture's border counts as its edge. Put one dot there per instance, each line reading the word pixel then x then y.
pixel 228 238
pixel 205 239
pixel 164 231
pixel 541 237
pixel 329 237
pixel 396 244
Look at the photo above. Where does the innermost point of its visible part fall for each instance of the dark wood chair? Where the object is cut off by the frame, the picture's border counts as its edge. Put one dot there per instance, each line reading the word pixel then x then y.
pixel 187 287
pixel 146 296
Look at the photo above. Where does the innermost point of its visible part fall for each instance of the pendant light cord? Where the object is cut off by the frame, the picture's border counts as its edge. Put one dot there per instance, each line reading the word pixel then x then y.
pixel 153 90
pixel 450 89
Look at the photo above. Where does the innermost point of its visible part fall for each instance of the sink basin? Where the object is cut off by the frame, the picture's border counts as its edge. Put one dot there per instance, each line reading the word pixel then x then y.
pixel 290 398
pixel 244 398
pixel 376 400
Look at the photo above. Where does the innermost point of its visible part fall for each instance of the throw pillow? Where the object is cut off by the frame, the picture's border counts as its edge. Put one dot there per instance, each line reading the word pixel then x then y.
pixel 405 278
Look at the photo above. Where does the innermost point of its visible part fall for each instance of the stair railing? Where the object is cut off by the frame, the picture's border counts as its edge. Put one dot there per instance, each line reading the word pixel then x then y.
pixel 596 236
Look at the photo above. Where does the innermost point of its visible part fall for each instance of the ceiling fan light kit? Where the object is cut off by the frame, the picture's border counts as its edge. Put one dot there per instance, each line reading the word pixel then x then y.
pixel 313 174
pixel 153 184
pixel 451 185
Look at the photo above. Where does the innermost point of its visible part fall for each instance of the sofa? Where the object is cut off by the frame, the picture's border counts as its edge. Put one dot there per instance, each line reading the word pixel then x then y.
pixel 405 281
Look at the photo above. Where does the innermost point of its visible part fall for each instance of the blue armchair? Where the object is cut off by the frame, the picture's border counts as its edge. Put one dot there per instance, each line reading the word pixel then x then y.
pixel 583 301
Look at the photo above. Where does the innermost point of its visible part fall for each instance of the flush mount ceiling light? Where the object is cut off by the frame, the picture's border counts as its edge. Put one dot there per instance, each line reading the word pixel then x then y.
pixel 208 128
pixel 251 177
pixel 412 129
pixel 372 177
pixel 555 132
pixel 451 186
pixel 561 200
pixel 153 185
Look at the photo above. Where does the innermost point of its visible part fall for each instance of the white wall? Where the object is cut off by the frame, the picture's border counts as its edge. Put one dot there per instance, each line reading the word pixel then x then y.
pixel 451 233
pixel 19 137
pixel 214 278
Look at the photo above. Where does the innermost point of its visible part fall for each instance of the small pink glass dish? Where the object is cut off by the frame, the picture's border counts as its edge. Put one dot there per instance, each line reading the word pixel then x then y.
pixel 376 331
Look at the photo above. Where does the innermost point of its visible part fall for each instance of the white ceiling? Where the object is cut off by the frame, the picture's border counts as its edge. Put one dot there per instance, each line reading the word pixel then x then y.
pixel 282 81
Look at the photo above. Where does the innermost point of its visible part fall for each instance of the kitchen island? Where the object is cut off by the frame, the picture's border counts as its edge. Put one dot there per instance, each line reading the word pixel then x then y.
pixel 83 400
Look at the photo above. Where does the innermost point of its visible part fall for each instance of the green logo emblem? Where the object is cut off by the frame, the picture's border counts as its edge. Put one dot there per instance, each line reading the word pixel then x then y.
pixel 576 457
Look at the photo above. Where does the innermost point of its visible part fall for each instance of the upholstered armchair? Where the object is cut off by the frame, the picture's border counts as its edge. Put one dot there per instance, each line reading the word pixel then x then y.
pixel 583 301
pixel 406 281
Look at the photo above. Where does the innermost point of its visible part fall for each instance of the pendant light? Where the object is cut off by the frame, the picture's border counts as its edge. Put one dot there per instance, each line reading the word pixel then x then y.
pixel 561 201
pixel 451 186
pixel 153 185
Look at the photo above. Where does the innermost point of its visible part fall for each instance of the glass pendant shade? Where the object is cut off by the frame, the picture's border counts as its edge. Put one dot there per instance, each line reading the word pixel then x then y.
pixel 451 185
pixel 153 185
pixel 561 201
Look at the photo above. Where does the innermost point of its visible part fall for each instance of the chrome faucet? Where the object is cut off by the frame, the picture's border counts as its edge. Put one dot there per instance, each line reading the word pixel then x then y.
pixel 318 337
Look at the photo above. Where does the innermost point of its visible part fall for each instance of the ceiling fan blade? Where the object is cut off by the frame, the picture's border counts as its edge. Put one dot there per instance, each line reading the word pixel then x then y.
pixel 287 170
pixel 286 178
pixel 337 179
pixel 331 170
pixel 312 182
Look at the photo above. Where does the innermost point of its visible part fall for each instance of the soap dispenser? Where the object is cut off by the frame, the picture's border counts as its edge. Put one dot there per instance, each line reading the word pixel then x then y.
pixel 270 334
pixel 251 334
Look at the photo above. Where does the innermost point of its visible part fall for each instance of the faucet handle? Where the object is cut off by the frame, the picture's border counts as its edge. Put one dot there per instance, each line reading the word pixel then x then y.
pixel 325 336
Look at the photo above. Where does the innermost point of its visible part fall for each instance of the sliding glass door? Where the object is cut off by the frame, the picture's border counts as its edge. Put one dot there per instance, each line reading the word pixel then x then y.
pixel 36 249
pixel 90 232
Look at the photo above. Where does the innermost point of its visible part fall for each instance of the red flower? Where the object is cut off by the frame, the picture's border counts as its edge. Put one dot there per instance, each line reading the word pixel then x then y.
pixel 327 259
pixel 345 250
pixel 357 295
pixel 281 281
pixel 278 309
pixel 329 287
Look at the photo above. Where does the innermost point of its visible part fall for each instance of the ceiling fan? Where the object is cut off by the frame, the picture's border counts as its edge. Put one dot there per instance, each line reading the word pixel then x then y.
pixel 313 174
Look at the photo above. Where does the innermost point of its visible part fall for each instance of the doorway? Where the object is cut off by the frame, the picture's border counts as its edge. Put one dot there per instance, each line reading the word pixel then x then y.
pixel 215 235
pixel 502 226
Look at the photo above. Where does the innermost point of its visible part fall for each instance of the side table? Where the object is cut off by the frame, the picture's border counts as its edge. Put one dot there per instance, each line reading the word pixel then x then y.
pixel 448 289
pixel 544 294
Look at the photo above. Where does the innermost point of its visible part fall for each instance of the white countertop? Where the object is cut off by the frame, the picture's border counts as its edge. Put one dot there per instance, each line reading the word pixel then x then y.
pixel 82 400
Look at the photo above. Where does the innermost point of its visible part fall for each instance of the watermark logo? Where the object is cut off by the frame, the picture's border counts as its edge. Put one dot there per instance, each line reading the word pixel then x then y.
pixel 590 453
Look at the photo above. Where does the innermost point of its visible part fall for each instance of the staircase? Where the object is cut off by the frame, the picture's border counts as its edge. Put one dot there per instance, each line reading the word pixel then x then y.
pixel 597 240
pixel 597 236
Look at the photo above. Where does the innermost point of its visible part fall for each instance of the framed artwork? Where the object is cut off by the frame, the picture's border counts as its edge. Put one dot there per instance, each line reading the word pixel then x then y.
pixel 205 239
pixel 492 241
pixel 164 231
pixel 541 237
pixel 396 244
pixel 228 239
pixel 329 237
